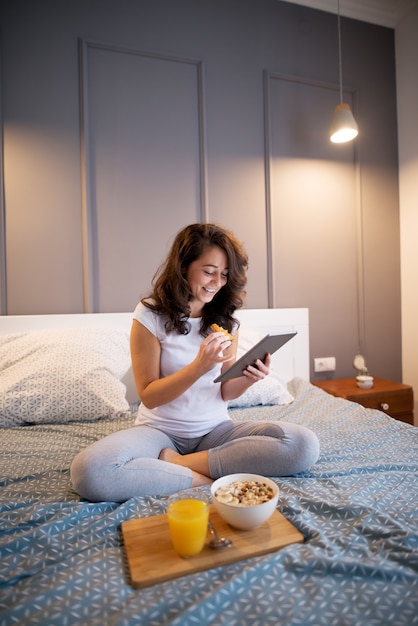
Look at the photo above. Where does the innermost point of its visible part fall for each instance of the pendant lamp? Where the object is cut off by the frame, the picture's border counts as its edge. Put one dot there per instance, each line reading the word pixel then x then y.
pixel 344 126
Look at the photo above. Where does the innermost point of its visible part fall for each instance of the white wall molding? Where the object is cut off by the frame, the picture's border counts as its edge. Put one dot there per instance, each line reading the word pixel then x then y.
pixel 380 12
pixel 91 295
pixel 309 150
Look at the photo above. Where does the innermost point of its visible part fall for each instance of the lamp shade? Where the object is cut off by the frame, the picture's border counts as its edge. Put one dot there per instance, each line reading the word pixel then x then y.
pixel 344 126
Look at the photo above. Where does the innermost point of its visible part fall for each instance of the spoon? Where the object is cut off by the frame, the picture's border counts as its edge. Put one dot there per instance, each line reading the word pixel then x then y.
pixel 218 542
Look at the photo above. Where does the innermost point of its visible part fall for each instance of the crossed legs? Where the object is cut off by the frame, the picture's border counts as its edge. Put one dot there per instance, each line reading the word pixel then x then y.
pixel 143 461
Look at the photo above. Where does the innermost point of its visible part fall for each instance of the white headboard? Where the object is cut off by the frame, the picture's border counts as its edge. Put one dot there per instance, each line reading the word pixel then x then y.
pixel 290 361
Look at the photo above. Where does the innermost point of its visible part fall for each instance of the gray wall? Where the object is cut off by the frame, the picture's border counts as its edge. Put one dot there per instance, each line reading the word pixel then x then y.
pixel 125 120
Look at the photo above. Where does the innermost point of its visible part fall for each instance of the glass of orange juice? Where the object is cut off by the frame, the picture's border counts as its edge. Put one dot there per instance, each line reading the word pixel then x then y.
pixel 188 514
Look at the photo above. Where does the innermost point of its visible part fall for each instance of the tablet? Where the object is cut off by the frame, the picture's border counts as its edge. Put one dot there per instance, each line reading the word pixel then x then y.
pixel 268 345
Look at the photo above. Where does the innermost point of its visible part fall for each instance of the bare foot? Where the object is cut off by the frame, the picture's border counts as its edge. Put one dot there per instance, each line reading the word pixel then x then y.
pixel 169 455
pixel 200 479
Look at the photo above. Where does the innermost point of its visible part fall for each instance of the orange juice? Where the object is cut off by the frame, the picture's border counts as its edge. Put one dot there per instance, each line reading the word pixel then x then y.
pixel 188 523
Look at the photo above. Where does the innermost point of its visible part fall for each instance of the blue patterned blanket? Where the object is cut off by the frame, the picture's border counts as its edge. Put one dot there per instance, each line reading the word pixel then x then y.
pixel 62 560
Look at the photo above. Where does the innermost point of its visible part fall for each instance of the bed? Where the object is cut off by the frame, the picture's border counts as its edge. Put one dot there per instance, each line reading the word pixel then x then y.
pixel 65 381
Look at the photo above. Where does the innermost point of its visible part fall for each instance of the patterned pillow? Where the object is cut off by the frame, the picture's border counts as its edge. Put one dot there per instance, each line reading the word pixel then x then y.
pixel 270 390
pixel 61 375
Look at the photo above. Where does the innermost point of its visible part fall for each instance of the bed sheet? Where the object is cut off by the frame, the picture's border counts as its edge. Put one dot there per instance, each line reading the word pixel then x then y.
pixel 63 563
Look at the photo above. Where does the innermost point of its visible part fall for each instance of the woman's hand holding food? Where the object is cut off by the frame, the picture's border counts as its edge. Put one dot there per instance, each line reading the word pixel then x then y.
pixel 211 352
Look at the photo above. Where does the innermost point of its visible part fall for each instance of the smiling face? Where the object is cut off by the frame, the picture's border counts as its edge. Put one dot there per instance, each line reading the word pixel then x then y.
pixel 206 276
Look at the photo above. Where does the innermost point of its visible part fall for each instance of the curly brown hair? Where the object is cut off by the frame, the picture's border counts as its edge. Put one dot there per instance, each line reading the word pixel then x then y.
pixel 171 293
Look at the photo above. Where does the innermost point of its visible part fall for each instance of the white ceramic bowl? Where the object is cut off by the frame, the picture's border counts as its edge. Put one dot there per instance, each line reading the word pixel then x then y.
pixel 364 382
pixel 245 517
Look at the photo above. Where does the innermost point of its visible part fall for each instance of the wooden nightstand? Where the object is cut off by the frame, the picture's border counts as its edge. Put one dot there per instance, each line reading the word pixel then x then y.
pixel 394 399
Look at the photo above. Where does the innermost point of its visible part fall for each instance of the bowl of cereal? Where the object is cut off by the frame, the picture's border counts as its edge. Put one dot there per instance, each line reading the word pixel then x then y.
pixel 245 501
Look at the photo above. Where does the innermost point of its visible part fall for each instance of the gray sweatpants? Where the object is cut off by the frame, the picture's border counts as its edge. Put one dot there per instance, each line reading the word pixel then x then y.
pixel 125 464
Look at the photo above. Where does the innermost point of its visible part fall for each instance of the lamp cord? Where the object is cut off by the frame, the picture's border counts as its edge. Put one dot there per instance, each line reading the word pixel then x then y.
pixel 340 65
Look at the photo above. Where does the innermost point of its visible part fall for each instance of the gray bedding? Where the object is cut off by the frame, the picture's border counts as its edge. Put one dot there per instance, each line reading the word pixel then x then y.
pixel 62 560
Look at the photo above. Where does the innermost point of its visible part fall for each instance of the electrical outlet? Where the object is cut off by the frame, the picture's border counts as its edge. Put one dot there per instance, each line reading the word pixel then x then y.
pixel 324 364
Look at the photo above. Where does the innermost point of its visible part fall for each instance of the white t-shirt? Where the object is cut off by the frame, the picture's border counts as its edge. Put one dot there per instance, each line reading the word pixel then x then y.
pixel 199 409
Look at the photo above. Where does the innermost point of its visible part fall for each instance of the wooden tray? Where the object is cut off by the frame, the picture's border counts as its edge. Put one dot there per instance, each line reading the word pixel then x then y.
pixel 152 559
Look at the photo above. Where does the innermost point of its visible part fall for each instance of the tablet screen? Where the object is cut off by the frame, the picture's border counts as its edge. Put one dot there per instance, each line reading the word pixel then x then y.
pixel 268 345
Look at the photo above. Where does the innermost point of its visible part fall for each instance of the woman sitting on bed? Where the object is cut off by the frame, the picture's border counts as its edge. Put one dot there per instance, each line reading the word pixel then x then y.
pixel 183 435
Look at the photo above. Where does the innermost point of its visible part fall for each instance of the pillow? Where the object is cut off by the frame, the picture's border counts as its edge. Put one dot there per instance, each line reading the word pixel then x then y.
pixel 60 375
pixel 270 390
